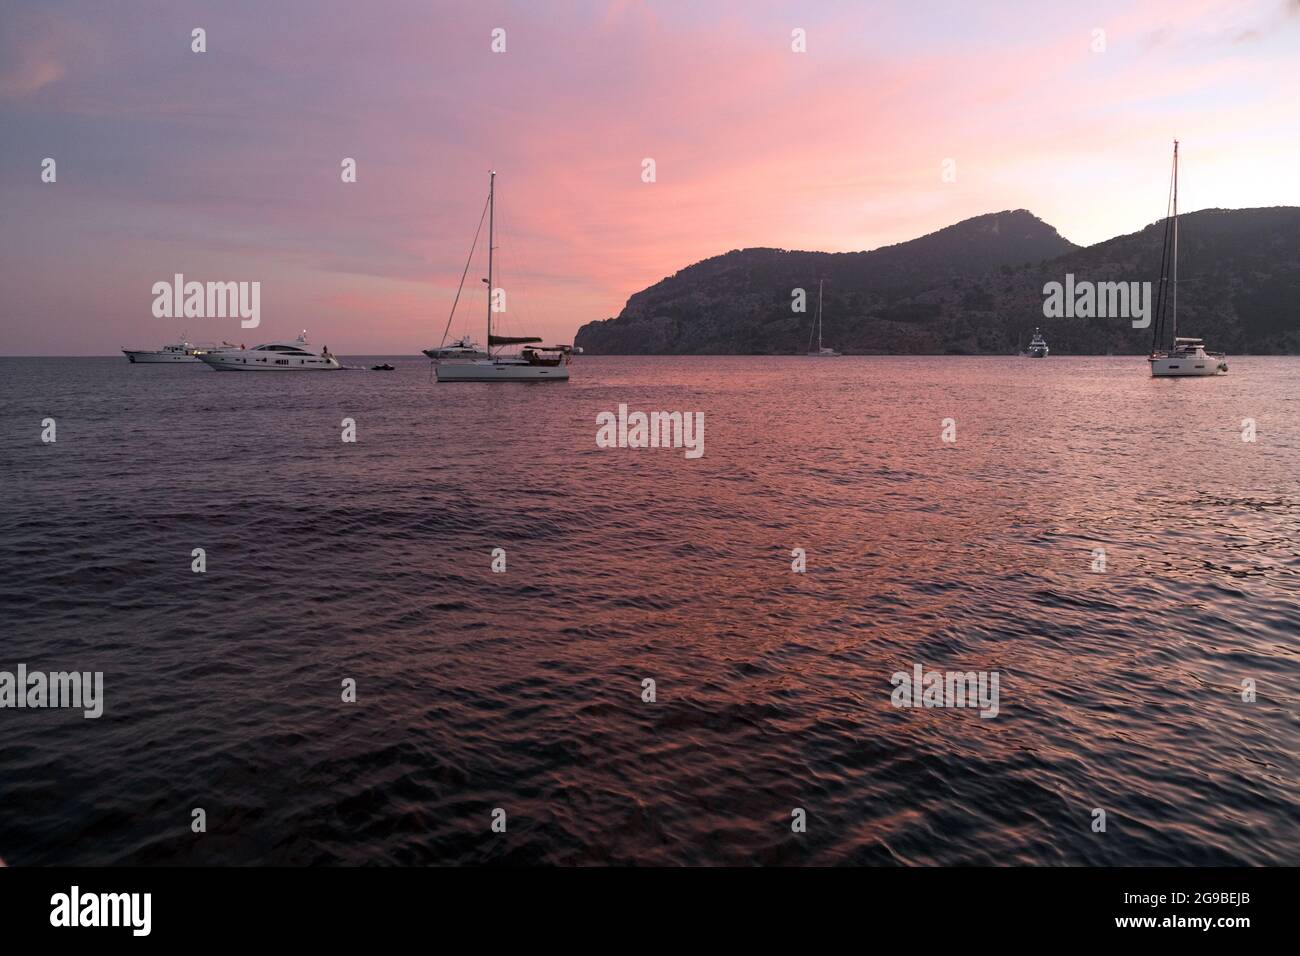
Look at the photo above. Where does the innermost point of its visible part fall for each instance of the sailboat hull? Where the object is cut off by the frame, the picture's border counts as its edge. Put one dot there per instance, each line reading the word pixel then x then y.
pixel 501 372
pixel 1188 367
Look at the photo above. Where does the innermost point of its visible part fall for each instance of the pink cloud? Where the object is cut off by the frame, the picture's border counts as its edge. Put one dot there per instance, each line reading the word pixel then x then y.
pixel 35 49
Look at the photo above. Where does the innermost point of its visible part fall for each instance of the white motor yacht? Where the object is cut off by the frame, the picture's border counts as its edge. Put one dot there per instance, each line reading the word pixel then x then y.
pixel 295 356
pixel 182 351
pixel 1038 346
pixel 464 349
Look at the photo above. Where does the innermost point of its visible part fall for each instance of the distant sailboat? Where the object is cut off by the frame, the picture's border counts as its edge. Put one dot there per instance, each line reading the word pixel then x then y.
pixel 533 364
pixel 821 351
pixel 1185 357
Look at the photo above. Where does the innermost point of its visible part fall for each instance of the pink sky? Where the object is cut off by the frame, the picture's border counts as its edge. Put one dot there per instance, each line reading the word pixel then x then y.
pixel 225 165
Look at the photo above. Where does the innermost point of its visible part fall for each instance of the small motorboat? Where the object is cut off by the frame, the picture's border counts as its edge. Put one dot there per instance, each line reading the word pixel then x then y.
pixel 382 368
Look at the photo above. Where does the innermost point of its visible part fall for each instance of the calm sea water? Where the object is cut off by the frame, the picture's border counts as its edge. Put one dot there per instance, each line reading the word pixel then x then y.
pixel 1119 690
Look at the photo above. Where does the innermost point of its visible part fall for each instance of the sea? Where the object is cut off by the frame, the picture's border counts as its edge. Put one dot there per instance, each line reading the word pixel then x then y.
pixel 473 635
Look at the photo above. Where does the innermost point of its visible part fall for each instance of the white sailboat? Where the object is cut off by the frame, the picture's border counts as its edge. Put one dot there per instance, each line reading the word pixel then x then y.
pixel 531 364
pixel 1185 357
pixel 821 352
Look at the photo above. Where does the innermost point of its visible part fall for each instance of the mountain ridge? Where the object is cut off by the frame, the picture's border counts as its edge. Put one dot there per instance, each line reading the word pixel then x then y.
pixel 975 287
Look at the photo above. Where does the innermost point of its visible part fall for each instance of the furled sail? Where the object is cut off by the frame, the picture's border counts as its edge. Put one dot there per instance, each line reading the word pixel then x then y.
pixel 512 339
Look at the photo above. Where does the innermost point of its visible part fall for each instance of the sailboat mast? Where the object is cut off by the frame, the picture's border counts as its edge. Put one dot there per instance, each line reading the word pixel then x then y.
pixel 1174 289
pixel 492 186
pixel 819 314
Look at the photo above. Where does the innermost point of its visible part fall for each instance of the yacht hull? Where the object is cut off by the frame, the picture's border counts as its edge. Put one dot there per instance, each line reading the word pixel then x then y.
pixel 247 362
pixel 136 357
pixel 501 372
pixel 448 358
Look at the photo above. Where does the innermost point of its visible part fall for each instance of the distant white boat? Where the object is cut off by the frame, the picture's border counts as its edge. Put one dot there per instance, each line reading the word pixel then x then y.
pixel 182 351
pixel 1038 346
pixel 295 356
pixel 821 351
pixel 1185 357
pixel 532 364
pixel 464 349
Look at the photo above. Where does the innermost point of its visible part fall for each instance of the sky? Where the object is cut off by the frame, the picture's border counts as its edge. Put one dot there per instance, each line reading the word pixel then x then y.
pixel 225 165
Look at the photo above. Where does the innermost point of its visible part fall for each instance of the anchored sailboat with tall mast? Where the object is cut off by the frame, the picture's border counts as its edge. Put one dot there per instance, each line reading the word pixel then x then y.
pixel 821 352
pixel 1185 357
pixel 531 364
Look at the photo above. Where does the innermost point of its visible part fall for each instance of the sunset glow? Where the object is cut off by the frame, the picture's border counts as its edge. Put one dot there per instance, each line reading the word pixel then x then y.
pixel 226 165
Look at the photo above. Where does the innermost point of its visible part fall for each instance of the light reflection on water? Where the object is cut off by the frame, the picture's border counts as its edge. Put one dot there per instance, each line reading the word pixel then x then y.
pixel 1119 690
